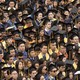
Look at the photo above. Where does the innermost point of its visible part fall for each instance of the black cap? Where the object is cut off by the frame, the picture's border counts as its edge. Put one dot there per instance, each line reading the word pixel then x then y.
pixel 15 32
pixel 60 63
pixel 69 65
pixel 2 30
pixel 52 10
pixel 24 16
pixel 28 18
pixel 19 24
pixel 12 16
pixel 37 12
pixel 19 41
pixel 19 55
pixel 54 28
pixel 70 47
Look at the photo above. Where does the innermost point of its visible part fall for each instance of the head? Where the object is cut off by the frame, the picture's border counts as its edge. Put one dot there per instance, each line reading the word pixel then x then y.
pixel 19 65
pixel 53 45
pixel 14 74
pixel 42 69
pixel 44 48
pixel 21 47
pixel 11 4
pixel 52 71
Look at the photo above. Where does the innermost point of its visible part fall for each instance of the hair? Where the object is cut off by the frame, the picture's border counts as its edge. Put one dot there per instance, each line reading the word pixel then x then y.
pixel 17 64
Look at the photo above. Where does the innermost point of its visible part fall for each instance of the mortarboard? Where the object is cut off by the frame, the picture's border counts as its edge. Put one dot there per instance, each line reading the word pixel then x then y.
pixel 74 10
pixel 19 41
pixel 15 32
pixel 37 12
pixel 19 24
pixel 54 28
pixel 45 21
pixel 37 47
pixel 11 47
pixel 2 30
pixel 27 38
pixel 52 10
pixel 20 55
pixel 24 16
pixel 69 65
pixel 12 16
pixel 28 18
pixel 70 47
pixel 60 63
pixel 74 30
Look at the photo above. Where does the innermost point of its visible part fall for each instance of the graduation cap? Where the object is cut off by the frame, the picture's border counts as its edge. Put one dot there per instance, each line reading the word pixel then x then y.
pixel 45 21
pixel 37 47
pixel 2 30
pixel 11 47
pixel 28 18
pixel 19 24
pixel 12 16
pixel 15 32
pixel 70 47
pixel 24 16
pixel 74 10
pixel 19 41
pixel 54 28
pixel 60 63
pixel 52 10
pixel 27 38
pixel 74 30
pixel 37 12
pixel 72 35
pixel 69 65
pixel 20 55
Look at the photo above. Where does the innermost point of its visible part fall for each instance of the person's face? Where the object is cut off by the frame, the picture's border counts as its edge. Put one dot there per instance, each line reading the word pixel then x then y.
pixel 42 78
pixel 53 46
pixel 11 4
pixel 20 66
pixel 71 75
pixel 62 68
pixel 21 47
pixel 12 52
pixel 55 3
pixel 20 28
pixel 13 20
pixel 76 39
pixel 14 75
pixel 5 74
pixel 32 53
pixel 19 14
pixel 33 73
pixel 42 32
pixel 50 15
pixel 62 49
pixel 29 64
pixel 11 60
pixel 48 25
pixel 40 15
pixel 68 29
pixel 9 41
pixel 53 72
pixel 37 65
pixel 5 14
pixel 1 56
pixel 44 49
pixel 44 70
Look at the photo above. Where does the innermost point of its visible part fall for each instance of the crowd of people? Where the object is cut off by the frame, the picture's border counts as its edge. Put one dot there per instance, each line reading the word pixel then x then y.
pixel 39 39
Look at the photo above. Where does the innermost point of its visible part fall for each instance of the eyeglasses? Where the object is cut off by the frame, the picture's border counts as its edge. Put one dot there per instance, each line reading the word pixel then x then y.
pixel 45 69
pixel 54 70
